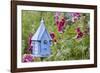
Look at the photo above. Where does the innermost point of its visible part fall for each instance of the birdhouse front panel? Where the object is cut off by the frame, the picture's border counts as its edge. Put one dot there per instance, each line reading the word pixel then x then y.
pixel 45 45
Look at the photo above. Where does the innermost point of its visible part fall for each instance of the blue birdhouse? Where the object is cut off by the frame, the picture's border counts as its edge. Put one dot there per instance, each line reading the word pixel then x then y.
pixel 41 42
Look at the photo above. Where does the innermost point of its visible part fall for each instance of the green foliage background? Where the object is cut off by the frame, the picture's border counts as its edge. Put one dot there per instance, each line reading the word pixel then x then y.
pixel 68 47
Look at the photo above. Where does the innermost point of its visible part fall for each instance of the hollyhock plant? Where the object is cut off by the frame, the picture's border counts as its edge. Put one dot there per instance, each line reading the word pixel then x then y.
pixel 27 58
pixel 75 16
pixel 29 42
pixel 56 15
pixel 72 16
pixel 52 34
pixel 29 39
pixel 79 33
pixel 74 19
pixel 30 48
pixel 78 29
pixel 60 23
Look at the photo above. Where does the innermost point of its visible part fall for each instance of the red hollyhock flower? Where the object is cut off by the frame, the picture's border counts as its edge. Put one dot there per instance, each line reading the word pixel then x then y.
pixel 60 25
pixel 79 33
pixel 78 29
pixel 52 35
pixel 56 16
pixel 63 22
pixel 59 22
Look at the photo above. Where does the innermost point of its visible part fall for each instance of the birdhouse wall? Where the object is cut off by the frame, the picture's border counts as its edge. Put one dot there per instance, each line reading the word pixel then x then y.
pixel 36 48
pixel 45 45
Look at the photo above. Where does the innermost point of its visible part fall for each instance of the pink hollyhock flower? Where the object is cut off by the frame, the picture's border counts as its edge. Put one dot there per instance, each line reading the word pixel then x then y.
pixel 75 16
pixel 74 19
pixel 27 58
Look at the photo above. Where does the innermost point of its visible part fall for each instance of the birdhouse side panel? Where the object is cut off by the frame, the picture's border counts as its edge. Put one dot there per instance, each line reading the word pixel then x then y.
pixel 36 49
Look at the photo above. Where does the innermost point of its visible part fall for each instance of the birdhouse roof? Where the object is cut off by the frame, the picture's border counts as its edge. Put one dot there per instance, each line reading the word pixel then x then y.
pixel 41 29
